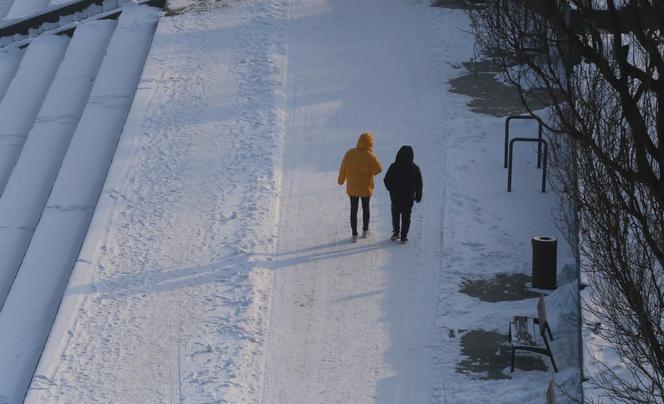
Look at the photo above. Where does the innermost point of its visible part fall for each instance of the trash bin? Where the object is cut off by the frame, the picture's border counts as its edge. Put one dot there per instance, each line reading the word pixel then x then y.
pixel 545 251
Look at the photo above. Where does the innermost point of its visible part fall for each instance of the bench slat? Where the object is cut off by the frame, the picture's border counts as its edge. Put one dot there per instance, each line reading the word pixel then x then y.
pixel 523 332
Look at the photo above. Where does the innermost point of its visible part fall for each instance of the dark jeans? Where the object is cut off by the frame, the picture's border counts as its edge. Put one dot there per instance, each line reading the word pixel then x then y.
pixel 401 213
pixel 354 202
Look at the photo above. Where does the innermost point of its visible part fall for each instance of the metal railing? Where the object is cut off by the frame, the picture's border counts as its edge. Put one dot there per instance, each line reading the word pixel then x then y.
pixel 527 139
pixel 540 130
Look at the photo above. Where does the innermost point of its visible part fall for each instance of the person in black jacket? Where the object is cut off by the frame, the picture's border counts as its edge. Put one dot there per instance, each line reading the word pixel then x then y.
pixel 404 182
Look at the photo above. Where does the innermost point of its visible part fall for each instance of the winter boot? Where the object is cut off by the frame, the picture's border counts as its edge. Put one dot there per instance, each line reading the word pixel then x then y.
pixel 395 236
pixel 353 239
pixel 365 233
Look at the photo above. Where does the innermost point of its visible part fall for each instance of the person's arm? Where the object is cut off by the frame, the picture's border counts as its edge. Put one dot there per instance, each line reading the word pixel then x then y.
pixel 342 171
pixel 376 168
pixel 387 180
pixel 418 185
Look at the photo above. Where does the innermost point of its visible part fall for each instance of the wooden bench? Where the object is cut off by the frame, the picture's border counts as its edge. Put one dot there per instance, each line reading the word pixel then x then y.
pixel 530 334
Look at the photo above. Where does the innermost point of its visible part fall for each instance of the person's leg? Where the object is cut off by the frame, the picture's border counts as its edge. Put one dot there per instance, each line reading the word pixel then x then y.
pixel 366 214
pixel 407 208
pixel 396 218
pixel 354 202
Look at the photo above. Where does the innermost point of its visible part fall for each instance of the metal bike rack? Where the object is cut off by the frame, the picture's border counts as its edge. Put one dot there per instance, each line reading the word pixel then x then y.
pixel 527 139
pixel 540 130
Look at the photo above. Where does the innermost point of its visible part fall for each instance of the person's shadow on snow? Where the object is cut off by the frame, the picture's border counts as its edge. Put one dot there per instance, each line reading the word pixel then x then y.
pixel 160 280
pixel 336 249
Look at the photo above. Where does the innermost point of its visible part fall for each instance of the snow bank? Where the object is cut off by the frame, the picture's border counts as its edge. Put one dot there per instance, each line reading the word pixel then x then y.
pixel 5 5
pixel 9 61
pixel 32 303
pixel 600 359
pixel 24 8
pixel 24 97
pixel 31 181
pixel 562 310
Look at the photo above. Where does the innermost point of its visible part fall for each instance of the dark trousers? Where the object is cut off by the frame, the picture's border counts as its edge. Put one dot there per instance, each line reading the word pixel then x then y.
pixel 354 202
pixel 401 217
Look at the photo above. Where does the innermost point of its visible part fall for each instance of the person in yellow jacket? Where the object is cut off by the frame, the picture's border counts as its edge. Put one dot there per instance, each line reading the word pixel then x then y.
pixel 357 170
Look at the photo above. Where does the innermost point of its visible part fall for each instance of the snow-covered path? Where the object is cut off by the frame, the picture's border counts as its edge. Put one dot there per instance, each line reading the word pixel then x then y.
pixel 354 322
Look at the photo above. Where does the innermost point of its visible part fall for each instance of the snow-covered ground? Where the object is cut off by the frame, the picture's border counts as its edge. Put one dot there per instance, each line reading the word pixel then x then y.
pixel 218 265
pixel 165 302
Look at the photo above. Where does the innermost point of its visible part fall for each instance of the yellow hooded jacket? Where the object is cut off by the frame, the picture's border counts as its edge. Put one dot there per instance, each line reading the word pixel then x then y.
pixel 358 168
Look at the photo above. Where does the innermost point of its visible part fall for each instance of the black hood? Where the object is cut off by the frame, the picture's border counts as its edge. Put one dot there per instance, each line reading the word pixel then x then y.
pixel 405 155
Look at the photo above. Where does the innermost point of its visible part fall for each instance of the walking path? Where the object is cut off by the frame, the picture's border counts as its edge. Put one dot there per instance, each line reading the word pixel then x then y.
pixel 355 322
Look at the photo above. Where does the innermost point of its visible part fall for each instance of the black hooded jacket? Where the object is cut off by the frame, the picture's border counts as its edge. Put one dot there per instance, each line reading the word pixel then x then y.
pixel 403 179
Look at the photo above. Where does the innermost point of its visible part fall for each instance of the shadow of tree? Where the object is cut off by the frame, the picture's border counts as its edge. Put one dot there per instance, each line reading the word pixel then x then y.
pixel 491 96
